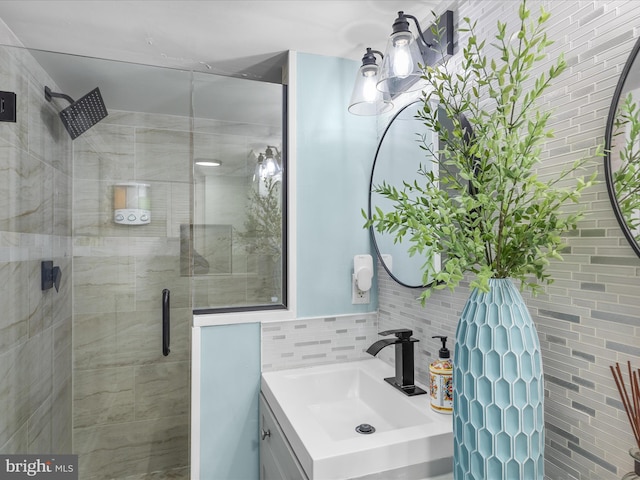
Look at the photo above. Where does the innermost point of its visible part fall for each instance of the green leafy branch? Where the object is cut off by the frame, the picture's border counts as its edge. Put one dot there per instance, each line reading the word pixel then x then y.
pixel 263 223
pixel 487 210
pixel 626 179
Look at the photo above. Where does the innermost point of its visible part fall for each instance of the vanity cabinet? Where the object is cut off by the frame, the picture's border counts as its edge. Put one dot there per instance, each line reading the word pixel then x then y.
pixel 277 460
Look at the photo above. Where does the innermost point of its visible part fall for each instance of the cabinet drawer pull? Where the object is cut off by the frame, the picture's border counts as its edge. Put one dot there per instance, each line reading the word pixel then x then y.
pixel 264 434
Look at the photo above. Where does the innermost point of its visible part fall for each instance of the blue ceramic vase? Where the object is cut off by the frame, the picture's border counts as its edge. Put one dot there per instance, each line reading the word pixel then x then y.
pixel 498 423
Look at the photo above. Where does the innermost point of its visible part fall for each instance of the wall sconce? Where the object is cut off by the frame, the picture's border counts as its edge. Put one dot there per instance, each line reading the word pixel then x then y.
pixel 258 172
pixel 366 99
pixel 268 164
pixel 400 69
pixel 271 164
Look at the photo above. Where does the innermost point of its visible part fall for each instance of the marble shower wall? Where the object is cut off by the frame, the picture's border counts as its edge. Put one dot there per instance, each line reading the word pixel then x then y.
pixel 131 402
pixel 35 225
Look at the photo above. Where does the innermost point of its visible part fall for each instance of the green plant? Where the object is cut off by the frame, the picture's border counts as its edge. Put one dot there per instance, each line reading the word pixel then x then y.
pixel 263 222
pixel 626 179
pixel 262 236
pixel 487 209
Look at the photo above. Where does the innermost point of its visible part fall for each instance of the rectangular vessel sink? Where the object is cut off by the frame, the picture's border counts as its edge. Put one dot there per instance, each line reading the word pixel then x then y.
pixel 320 407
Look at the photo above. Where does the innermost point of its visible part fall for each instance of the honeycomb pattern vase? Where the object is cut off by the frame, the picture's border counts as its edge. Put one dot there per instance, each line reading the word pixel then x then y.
pixel 497 389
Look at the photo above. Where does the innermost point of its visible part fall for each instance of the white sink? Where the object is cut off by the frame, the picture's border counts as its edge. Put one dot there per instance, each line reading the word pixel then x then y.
pixel 320 407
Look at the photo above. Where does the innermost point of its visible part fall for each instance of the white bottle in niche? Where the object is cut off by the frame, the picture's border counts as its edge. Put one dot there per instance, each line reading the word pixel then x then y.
pixel 441 380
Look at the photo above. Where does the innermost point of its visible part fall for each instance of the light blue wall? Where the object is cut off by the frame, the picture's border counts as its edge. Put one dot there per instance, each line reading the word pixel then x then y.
pixel 335 151
pixel 229 394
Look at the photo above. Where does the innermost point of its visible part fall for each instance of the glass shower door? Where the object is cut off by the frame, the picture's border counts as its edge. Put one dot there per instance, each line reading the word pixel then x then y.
pixel 136 238
pixel 132 184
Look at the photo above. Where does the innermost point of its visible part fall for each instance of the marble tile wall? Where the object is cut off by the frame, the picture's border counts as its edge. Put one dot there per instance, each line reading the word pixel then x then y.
pixel 131 402
pixel 588 319
pixel 35 224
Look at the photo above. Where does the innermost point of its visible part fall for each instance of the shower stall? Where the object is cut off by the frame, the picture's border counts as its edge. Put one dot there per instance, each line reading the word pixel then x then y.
pixel 83 369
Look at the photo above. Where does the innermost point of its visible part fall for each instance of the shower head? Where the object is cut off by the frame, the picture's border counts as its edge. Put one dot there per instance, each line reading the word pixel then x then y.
pixel 80 116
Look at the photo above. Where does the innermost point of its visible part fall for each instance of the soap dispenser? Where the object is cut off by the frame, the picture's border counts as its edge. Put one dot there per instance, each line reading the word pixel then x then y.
pixel 441 384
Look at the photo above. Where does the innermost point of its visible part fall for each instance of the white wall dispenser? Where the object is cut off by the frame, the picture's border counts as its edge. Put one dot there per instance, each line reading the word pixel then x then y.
pixel 362 279
pixel 131 203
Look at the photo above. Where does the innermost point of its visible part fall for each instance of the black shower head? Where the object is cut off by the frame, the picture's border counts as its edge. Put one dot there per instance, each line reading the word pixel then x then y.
pixel 80 116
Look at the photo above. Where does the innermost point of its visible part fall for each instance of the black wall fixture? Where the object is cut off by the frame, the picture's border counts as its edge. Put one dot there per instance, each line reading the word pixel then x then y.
pixel 50 275
pixel 7 107
pixel 402 63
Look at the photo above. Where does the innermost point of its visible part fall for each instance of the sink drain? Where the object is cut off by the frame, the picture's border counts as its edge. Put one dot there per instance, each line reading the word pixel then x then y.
pixel 365 429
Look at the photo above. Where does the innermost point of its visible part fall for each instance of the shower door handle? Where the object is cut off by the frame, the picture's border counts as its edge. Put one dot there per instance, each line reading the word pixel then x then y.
pixel 166 322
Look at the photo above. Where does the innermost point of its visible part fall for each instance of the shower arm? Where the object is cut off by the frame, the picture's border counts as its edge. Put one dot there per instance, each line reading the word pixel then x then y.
pixel 48 94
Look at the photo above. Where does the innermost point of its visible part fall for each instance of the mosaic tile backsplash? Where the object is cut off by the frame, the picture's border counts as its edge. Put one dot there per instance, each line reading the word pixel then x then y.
pixel 314 341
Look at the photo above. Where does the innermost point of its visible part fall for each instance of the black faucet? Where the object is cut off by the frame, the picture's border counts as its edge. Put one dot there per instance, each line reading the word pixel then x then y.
pixel 403 380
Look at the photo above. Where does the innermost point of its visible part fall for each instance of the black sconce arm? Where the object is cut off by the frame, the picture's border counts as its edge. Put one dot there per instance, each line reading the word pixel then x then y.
pixel 420 34
pixel 369 57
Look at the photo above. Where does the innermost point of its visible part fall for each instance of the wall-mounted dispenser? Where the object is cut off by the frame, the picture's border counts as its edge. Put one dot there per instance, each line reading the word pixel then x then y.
pixel 362 279
pixel 131 203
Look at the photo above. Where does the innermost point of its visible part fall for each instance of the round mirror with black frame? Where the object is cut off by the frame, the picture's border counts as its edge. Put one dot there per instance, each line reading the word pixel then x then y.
pixel 399 160
pixel 622 150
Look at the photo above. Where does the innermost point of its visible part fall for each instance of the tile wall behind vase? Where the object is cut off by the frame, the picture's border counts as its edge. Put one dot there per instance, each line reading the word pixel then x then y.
pixel 587 319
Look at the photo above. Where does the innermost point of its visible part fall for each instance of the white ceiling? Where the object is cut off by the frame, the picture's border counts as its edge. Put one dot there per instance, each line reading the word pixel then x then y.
pixel 229 37
pixel 241 38
pixel 233 38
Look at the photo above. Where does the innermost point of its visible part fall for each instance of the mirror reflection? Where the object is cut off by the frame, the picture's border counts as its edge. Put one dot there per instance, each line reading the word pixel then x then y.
pixel 622 162
pixel 398 159
pixel 237 240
